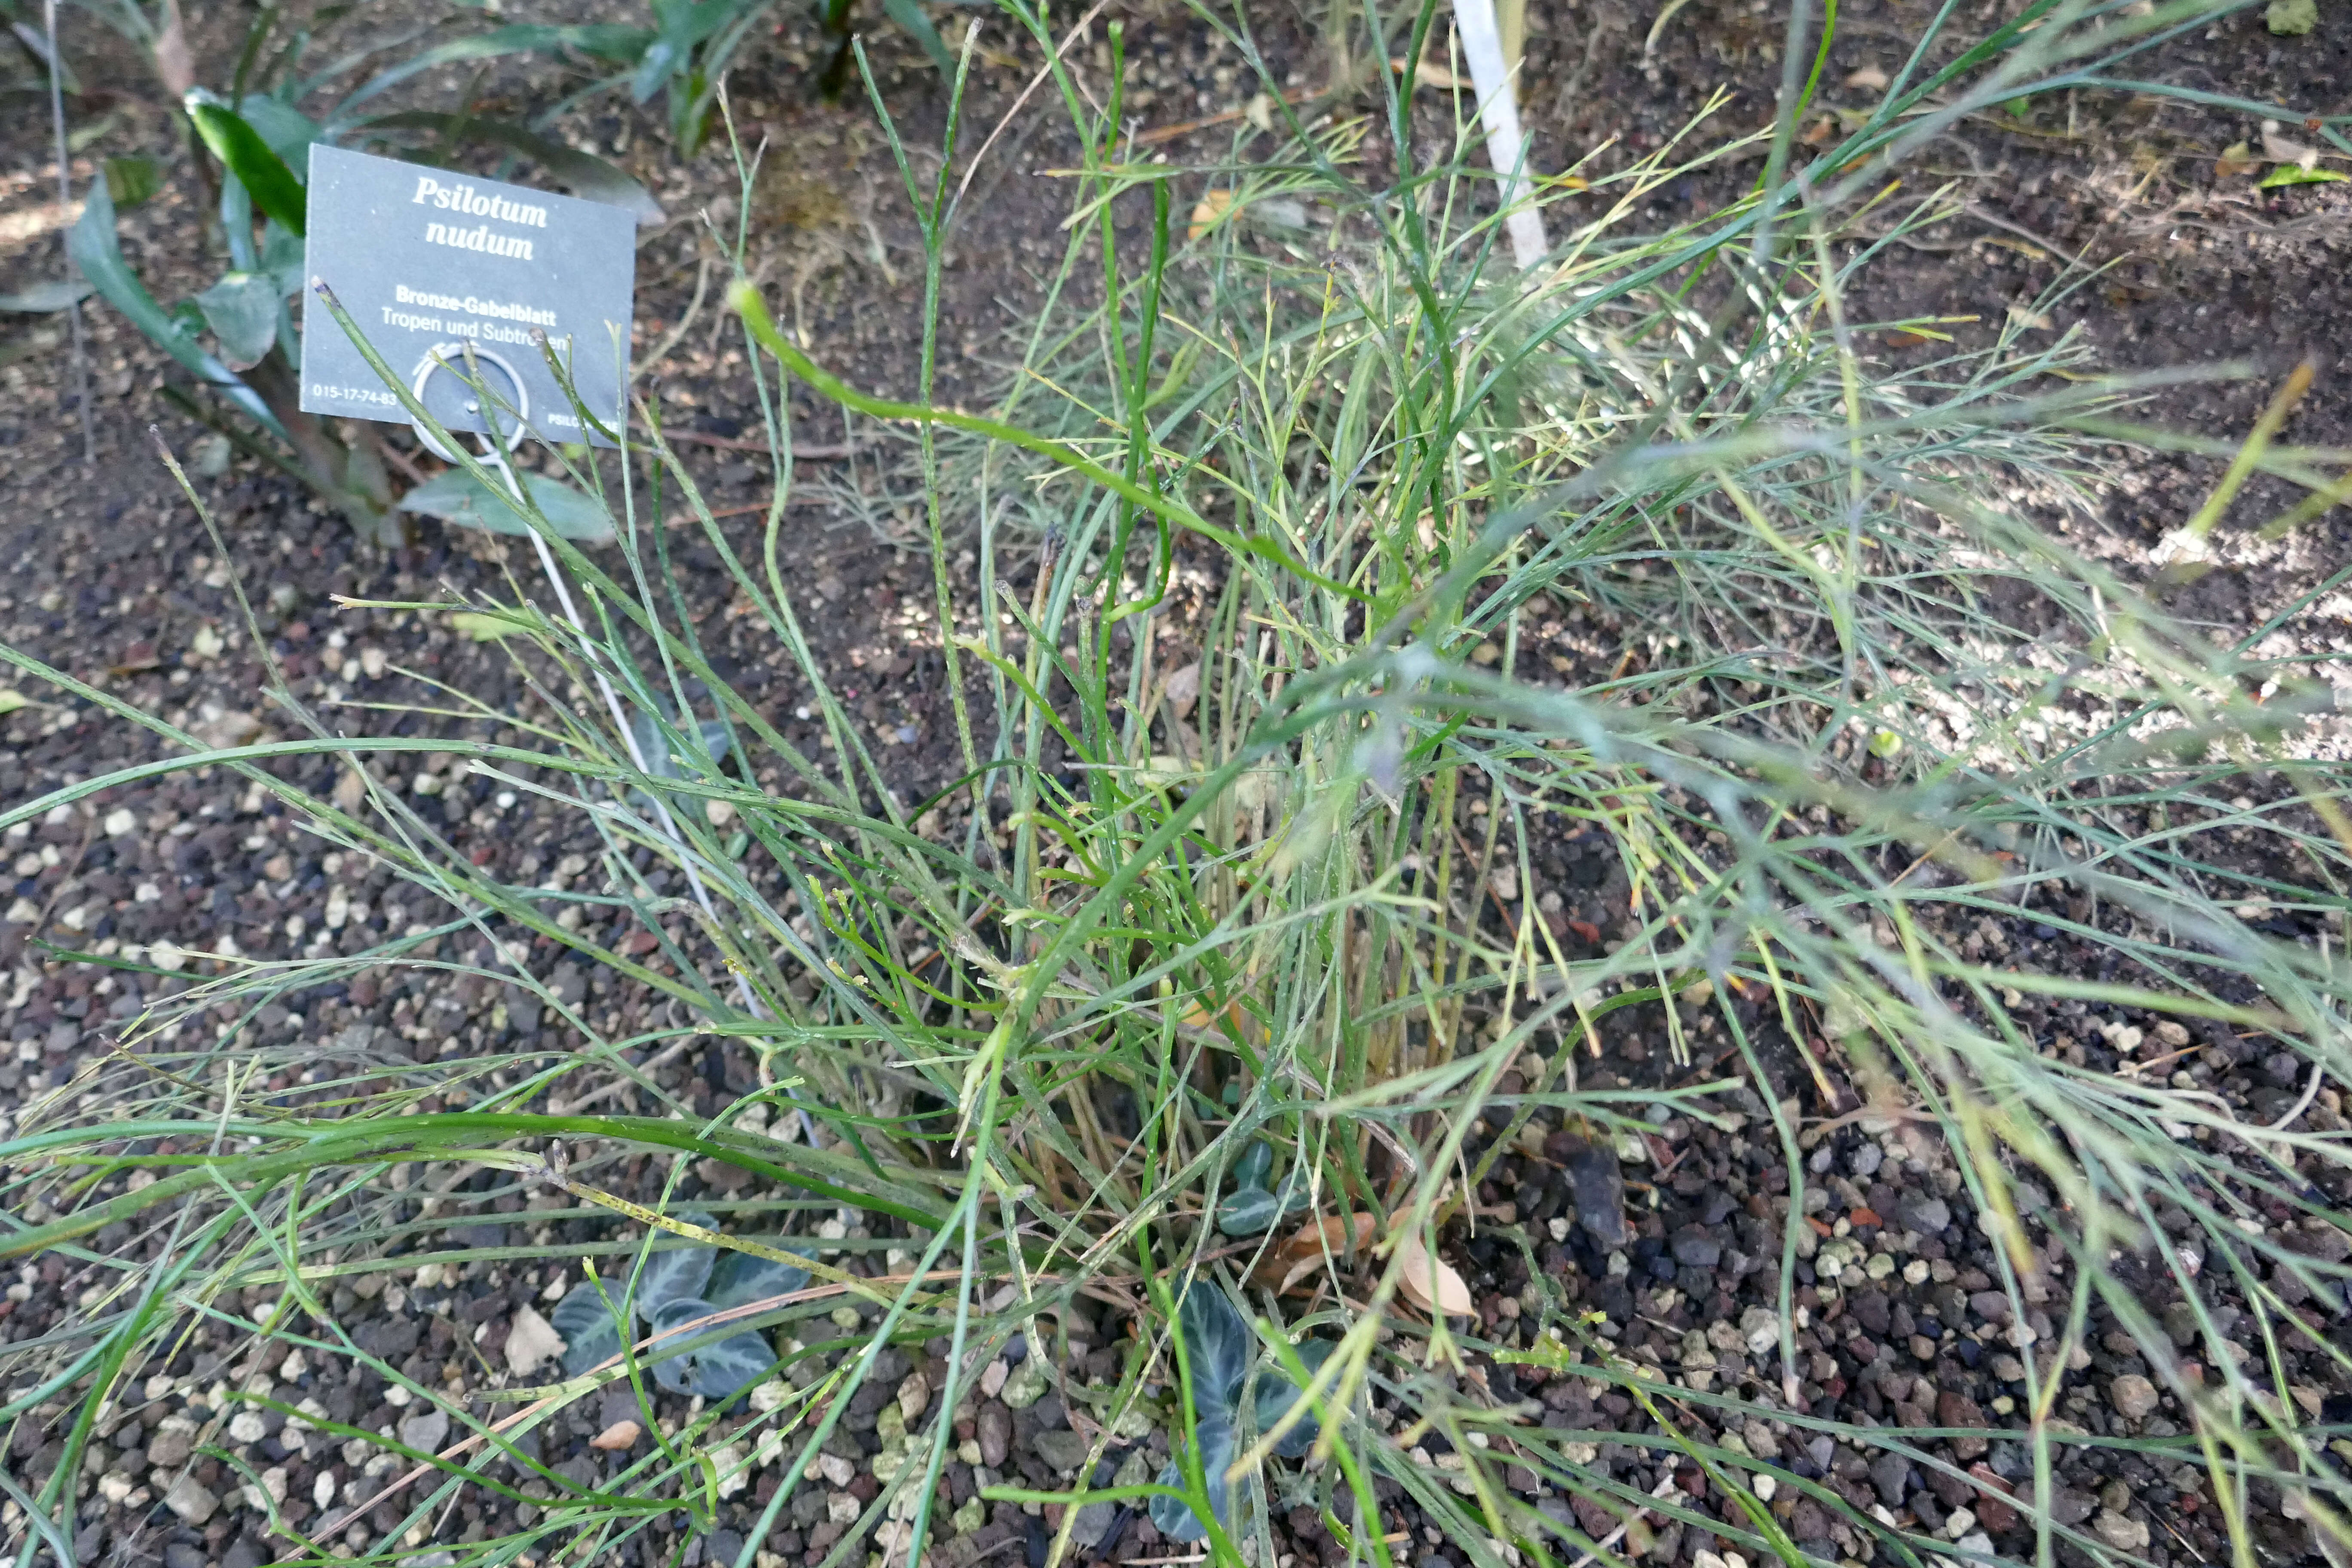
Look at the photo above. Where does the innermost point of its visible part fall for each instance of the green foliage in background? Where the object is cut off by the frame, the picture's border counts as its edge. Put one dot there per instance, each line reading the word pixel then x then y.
pixel 236 338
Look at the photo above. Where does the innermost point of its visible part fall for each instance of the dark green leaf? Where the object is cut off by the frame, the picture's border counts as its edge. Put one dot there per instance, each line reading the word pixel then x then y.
pixel 1174 1518
pixel 916 24
pixel 283 128
pixel 1276 1394
pixel 52 294
pixel 605 40
pixel 242 312
pixel 1295 1192
pixel 661 57
pixel 130 181
pixel 456 497
pixel 591 1334
pixel 92 245
pixel 738 1278
pixel 677 1274
pixel 1247 1211
pixel 673 1369
pixel 282 257
pixel 587 177
pixel 718 1371
pixel 1256 1163
pixel 1217 1343
pixel 245 154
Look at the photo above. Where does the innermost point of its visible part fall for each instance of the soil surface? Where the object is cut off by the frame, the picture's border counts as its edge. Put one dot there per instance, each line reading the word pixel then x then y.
pixel 1904 1322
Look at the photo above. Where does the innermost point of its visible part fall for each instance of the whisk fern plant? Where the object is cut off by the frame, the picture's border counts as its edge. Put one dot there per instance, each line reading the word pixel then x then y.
pixel 1325 588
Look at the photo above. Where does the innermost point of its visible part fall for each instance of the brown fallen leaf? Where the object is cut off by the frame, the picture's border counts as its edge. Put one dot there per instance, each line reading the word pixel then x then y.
pixel 1294 1257
pixel 1212 207
pixel 1430 1282
pixel 618 1435
pixel 2238 158
pixel 1430 75
pixel 138 658
pixel 1869 79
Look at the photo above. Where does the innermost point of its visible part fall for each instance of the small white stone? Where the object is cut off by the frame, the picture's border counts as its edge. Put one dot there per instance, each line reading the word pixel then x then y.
pixel 1765 1489
pixel 842 1508
pixel 322 1490
pixel 119 821
pixel 191 1501
pixel 531 1341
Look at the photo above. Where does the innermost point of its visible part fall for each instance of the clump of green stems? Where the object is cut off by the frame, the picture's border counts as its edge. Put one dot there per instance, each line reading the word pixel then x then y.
pixel 1036 1020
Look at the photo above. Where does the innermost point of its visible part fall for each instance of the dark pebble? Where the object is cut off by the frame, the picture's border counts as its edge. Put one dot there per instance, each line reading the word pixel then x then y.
pixel 1696 1249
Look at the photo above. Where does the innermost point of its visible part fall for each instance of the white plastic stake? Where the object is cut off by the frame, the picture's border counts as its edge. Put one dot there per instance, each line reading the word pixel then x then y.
pixel 1499 111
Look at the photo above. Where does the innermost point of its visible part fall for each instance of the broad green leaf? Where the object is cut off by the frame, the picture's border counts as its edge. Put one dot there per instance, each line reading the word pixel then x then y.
pixel 456 497
pixel 716 1372
pixel 2292 19
pixel 11 700
pixel 282 257
pixel 591 1336
pixel 662 58
pixel 605 40
pixel 242 312
pixel 130 181
pixel 92 245
pixel 911 20
pixel 1176 1518
pixel 1256 1163
pixel 283 128
pixel 738 1278
pixel 589 177
pixel 1276 1394
pixel 49 294
pixel 244 154
pixel 1247 1211
pixel 677 1273
pixel 1217 1343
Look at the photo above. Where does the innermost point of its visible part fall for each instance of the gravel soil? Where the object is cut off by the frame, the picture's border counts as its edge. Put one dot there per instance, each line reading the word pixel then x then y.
pixel 1901 1320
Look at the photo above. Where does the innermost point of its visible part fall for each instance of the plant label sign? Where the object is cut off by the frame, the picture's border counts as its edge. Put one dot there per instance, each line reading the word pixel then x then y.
pixel 429 263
